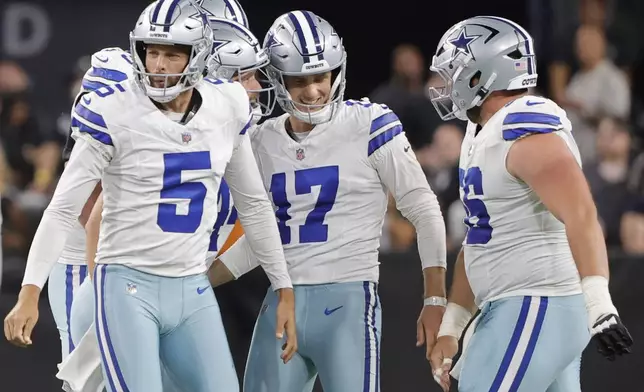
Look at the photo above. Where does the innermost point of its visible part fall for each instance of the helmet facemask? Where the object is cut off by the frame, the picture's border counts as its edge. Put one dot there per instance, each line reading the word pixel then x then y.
pixel 320 113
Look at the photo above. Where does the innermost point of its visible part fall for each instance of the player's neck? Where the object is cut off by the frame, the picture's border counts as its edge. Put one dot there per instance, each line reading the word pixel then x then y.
pixel 297 126
pixel 179 104
pixel 492 105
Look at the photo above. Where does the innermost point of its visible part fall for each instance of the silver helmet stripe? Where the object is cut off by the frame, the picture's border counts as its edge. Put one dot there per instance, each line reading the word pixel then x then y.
pixel 307 35
pixel 236 12
pixel 524 34
pixel 163 13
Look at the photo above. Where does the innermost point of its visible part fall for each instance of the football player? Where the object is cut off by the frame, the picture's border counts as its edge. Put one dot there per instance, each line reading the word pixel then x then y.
pixel 160 144
pixel 532 224
pixel 109 66
pixel 329 165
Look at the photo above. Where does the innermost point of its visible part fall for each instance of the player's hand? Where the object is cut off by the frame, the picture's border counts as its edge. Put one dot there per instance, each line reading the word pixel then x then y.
pixel 21 320
pixel 286 321
pixel 441 356
pixel 611 336
pixel 427 327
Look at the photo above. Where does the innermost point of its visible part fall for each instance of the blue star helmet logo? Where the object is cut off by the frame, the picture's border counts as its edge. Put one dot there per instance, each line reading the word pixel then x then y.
pixel 462 42
pixel 218 44
pixel 271 41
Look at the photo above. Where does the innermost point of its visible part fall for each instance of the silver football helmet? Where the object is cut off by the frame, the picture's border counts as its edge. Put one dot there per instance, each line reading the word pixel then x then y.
pixel 171 22
pixel 225 9
pixel 301 43
pixel 496 51
pixel 236 52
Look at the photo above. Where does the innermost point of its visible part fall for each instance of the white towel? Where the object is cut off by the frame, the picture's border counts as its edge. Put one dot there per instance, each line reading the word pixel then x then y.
pixel 456 370
pixel 81 370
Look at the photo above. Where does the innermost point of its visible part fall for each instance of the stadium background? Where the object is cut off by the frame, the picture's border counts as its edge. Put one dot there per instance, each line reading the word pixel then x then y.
pixel 42 49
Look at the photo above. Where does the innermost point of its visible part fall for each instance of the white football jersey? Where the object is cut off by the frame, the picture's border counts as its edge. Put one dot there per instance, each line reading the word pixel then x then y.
pixel 109 66
pixel 329 191
pixel 514 246
pixel 160 187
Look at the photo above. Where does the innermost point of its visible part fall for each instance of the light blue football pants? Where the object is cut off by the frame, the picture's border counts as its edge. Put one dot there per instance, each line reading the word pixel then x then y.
pixel 142 319
pixel 527 344
pixel 338 332
pixel 62 288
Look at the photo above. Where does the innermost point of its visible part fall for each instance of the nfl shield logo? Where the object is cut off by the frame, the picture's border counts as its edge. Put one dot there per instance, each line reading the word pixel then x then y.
pixel 186 137
pixel 299 154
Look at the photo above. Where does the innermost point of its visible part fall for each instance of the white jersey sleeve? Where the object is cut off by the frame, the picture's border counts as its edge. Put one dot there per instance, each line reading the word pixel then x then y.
pixel 239 258
pixel 392 156
pixel 254 209
pixel 535 115
pixel 109 66
pixel 90 156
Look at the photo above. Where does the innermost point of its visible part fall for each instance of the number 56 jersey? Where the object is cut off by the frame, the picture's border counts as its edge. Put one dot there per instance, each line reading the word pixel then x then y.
pixel 514 246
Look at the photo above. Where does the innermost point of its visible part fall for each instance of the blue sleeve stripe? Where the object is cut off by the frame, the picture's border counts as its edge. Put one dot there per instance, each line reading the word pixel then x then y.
pixel 516 133
pixel 383 121
pixel 532 118
pixel 90 85
pixel 383 138
pixel 247 126
pixel 108 74
pixel 95 133
pixel 88 115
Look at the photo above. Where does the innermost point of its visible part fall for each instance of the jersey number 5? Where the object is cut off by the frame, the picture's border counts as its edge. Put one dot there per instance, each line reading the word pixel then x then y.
pixel 477 219
pixel 175 163
pixel 313 229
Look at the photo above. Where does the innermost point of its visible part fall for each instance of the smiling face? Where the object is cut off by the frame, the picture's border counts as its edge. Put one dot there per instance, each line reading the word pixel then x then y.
pixel 309 90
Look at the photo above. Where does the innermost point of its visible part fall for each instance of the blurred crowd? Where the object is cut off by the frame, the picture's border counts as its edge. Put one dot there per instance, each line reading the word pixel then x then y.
pixel 590 63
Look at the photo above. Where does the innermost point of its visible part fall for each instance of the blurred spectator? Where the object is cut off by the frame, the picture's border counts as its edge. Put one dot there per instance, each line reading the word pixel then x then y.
pixel 32 158
pixel 632 229
pixel 598 89
pixel 398 234
pixel 440 162
pixel 565 18
pixel 405 94
pixel 607 177
pixel 73 85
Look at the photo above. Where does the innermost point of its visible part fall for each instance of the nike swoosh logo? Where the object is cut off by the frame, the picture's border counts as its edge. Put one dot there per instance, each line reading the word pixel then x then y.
pixel 201 290
pixel 87 100
pixel 530 103
pixel 105 60
pixel 328 311
pixel 407 148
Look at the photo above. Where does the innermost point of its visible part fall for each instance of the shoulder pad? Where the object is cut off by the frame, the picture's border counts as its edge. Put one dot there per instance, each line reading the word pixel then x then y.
pixel 109 66
pixel 384 126
pixel 87 117
pixel 530 115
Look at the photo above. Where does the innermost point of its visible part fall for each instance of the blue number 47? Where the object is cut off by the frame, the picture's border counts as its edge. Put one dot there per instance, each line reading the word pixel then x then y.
pixel 314 229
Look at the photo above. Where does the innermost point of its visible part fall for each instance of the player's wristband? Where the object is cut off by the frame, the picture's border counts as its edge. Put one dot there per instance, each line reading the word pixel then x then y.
pixel 597 297
pixel 454 321
pixel 435 301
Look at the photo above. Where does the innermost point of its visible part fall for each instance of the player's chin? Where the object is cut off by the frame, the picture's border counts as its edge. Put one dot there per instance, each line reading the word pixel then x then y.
pixel 308 109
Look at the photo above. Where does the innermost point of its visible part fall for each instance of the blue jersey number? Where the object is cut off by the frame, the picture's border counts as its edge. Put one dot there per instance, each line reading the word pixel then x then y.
pixel 227 214
pixel 108 90
pixel 175 163
pixel 313 229
pixel 478 220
